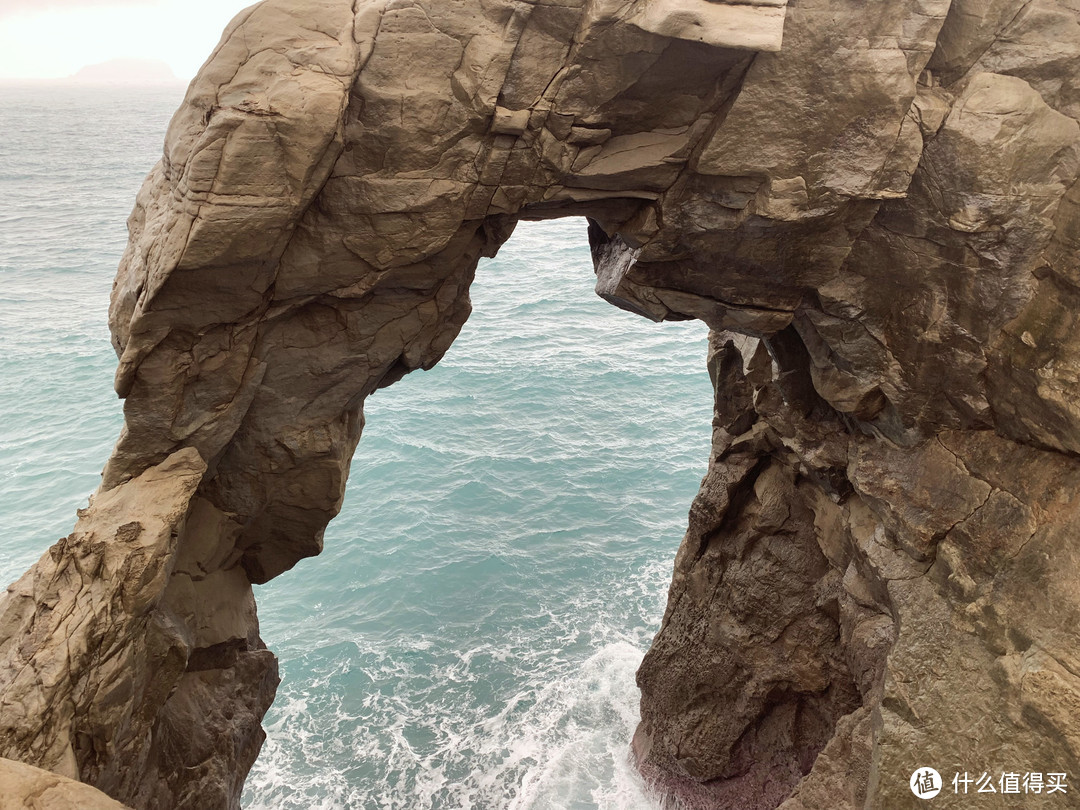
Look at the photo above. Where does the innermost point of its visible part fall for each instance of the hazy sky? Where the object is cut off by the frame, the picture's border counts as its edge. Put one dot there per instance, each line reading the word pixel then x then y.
pixel 46 39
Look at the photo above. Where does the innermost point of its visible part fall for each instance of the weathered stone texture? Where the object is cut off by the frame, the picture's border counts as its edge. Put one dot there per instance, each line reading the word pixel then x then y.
pixel 874 206
pixel 24 787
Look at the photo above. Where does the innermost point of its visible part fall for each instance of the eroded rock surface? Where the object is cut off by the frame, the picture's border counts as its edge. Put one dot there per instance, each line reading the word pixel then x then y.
pixel 873 206
pixel 24 787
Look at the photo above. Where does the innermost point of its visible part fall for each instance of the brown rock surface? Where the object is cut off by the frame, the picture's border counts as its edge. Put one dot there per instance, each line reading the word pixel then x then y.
pixel 875 208
pixel 24 787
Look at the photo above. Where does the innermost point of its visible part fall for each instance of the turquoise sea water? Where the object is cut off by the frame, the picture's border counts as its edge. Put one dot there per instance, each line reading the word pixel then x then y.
pixel 469 637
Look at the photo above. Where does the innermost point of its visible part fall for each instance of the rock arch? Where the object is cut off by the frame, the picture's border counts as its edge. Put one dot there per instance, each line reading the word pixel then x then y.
pixel 873 208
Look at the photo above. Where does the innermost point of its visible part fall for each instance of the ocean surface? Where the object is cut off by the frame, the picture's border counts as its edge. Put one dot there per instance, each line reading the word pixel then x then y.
pixel 469 637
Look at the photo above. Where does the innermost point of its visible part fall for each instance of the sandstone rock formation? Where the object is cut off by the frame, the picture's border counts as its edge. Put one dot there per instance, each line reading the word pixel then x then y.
pixel 873 206
pixel 24 787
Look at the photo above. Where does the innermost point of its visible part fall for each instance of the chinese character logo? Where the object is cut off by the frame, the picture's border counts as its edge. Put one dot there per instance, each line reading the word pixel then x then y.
pixel 925 783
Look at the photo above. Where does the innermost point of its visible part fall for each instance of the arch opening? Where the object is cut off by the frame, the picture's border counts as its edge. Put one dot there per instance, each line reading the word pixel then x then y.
pixel 473 624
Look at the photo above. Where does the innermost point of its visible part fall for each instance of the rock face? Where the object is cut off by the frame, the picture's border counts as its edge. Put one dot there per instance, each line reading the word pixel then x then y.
pixel 873 206
pixel 28 788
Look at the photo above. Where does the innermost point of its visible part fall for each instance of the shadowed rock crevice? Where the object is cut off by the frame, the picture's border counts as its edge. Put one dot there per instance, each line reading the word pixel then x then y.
pixel 874 207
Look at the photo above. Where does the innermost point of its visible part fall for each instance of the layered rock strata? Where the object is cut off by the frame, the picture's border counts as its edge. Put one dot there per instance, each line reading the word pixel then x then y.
pixel 875 209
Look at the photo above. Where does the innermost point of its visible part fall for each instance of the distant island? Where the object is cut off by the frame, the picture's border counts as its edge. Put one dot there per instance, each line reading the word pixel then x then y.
pixel 127 72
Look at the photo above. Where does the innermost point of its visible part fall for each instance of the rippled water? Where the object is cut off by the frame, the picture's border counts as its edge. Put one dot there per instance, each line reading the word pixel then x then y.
pixel 469 637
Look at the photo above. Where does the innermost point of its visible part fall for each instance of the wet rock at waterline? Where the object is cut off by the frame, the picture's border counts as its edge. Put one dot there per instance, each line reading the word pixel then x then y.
pixel 875 210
